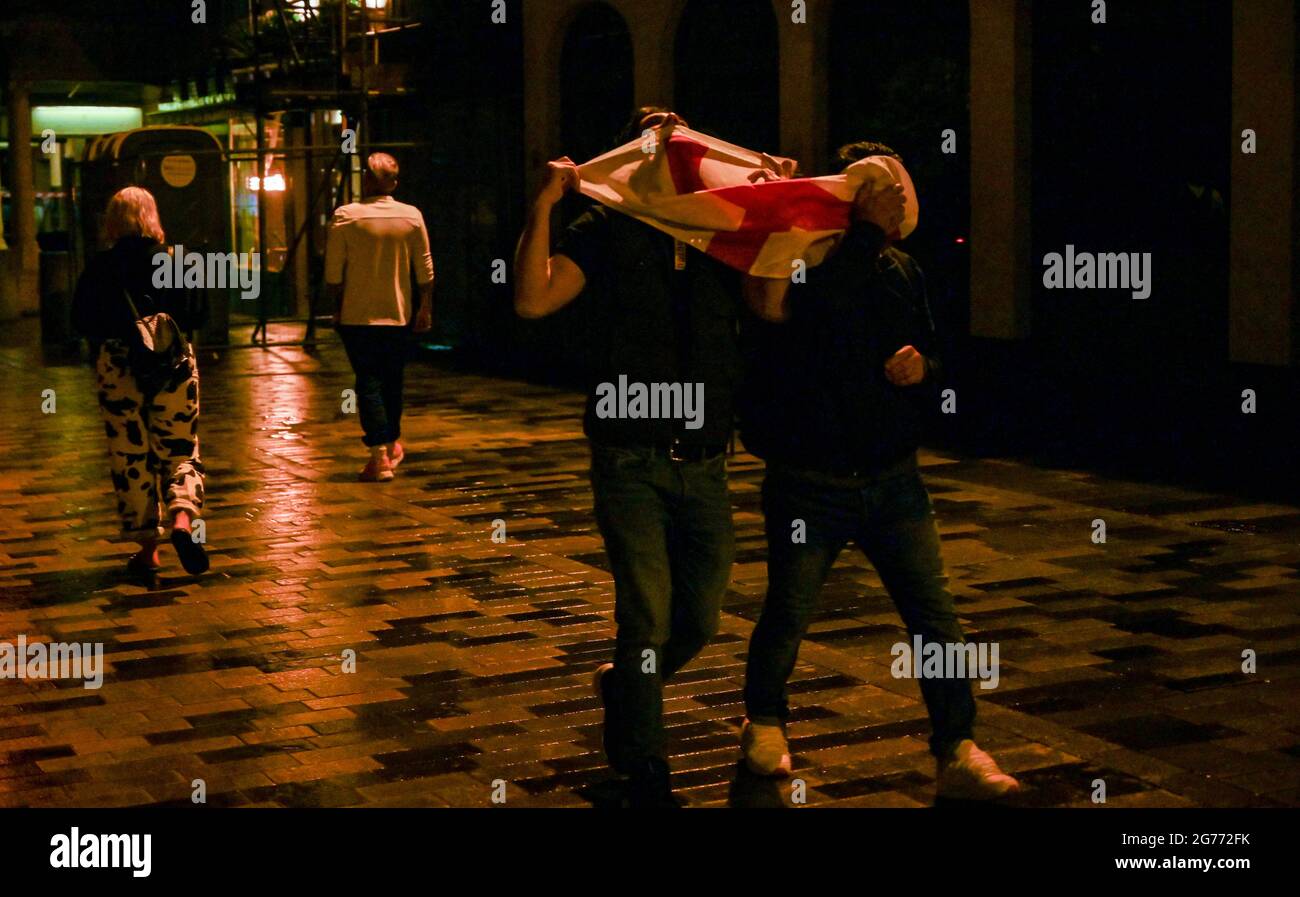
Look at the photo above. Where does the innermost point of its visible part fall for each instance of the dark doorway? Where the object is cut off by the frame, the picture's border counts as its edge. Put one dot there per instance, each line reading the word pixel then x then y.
pixel 467 174
pixel 596 66
pixel 595 81
pixel 726 61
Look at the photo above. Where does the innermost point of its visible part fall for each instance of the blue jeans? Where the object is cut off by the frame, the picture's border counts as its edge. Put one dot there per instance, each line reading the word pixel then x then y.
pixel 668 535
pixel 892 520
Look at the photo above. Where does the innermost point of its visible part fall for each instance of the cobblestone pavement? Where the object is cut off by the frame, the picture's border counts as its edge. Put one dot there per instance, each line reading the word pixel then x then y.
pixel 1119 661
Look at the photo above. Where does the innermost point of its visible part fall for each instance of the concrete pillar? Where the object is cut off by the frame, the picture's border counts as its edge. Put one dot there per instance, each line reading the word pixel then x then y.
pixel 804 48
pixel 8 301
pixel 544 25
pixel 1000 140
pixel 1264 315
pixel 24 259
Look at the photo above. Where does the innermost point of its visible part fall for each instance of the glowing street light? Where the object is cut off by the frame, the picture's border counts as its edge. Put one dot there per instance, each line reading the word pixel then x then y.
pixel 274 183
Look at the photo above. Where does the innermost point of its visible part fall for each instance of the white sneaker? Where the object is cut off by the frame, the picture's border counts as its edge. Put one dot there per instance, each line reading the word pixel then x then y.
pixel 766 751
pixel 971 774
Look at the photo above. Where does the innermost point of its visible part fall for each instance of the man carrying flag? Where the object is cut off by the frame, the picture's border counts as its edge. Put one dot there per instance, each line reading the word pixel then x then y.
pixel 662 313
pixel 682 218
pixel 834 405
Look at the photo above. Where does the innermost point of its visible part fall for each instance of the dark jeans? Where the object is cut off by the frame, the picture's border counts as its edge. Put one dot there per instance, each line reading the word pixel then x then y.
pixel 891 519
pixel 378 356
pixel 668 535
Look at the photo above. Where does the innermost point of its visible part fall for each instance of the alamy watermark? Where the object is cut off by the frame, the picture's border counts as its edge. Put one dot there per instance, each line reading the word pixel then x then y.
pixel 946 660
pixel 1101 271
pixel 661 401
pixel 208 270
pixel 89 851
pixel 53 660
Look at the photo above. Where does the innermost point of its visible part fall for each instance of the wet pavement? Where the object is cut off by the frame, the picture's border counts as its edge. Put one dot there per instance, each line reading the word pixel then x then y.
pixel 1120 662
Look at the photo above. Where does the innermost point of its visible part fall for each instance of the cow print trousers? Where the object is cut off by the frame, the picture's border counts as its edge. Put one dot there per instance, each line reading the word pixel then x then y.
pixel 153 443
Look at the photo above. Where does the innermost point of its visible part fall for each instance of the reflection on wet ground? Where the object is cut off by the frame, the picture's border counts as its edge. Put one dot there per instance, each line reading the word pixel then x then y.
pixel 1120 662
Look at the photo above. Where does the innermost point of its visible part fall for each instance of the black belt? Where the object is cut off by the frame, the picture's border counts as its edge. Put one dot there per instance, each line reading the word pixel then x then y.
pixel 674 450
pixel 677 451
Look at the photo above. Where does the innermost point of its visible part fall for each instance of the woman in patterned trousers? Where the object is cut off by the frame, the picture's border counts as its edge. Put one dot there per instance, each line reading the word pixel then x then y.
pixel 152 427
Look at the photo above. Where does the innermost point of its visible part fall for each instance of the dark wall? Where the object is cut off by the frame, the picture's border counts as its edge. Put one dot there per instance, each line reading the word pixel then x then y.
pixel 1131 147
pixel 901 76
pixel 1132 136
pixel 467 174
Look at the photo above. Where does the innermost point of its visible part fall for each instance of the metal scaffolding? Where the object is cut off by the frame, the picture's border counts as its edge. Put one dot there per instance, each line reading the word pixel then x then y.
pixel 307 57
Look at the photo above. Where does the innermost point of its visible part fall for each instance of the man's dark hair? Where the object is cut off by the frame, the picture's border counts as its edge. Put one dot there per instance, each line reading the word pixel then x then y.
pixel 632 130
pixel 856 152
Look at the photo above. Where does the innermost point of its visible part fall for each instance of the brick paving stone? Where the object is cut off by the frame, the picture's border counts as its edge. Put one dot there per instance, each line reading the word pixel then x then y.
pixel 1120 661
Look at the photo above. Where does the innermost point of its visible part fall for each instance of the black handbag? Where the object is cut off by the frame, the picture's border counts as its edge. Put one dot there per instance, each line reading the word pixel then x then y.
pixel 156 348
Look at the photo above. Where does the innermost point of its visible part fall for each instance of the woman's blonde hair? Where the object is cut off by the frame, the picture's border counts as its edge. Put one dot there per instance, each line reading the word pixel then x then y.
pixel 132 212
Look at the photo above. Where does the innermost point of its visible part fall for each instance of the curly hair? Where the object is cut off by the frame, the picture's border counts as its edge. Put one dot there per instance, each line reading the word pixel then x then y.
pixel 855 152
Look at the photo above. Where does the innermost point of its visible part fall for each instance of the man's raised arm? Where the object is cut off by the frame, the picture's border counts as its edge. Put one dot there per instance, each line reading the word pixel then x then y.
pixel 546 283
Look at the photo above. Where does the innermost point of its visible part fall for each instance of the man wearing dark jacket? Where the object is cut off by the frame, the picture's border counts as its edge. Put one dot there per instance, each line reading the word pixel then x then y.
pixel 835 401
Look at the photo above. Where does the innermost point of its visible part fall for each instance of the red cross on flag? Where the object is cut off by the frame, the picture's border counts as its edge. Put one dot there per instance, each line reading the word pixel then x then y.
pixel 723 199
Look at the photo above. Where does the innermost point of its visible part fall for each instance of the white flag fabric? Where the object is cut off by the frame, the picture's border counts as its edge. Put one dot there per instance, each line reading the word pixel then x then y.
pixel 716 197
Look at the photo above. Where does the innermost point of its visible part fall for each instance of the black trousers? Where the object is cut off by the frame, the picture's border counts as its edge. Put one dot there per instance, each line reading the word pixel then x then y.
pixel 378 357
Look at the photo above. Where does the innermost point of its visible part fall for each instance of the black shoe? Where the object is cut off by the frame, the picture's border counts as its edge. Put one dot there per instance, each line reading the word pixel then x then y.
pixel 603 683
pixel 192 556
pixel 650 787
pixel 142 571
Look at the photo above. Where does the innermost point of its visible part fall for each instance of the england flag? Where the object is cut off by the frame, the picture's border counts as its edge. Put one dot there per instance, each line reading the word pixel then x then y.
pixel 726 200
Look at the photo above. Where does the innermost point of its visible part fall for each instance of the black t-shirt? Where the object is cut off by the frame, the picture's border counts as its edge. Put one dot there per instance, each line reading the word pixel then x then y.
pixel 660 314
